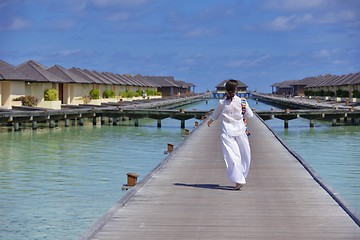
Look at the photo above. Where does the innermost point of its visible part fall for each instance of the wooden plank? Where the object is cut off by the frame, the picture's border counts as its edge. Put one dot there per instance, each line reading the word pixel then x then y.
pixel 189 197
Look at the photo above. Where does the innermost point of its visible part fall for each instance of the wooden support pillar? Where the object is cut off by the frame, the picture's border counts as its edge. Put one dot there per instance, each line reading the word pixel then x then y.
pixel 286 123
pixel 136 122
pixel 333 122
pixel 81 121
pixel 67 122
pixel 115 121
pixel 102 120
pixel 16 126
pixel 51 123
pixel 94 121
pixel 182 123
pixel 159 123
pixel 312 124
pixel 34 125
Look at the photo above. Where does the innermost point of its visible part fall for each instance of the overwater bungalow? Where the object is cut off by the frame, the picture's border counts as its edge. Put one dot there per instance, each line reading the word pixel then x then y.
pixel 220 88
pixel 347 85
pixel 75 86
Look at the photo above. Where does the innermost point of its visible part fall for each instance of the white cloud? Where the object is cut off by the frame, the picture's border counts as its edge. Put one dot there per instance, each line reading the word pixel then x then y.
pixel 294 5
pixel 288 23
pixel 339 16
pixel 323 53
pixel 68 52
pixel 18 24
pixel 248 62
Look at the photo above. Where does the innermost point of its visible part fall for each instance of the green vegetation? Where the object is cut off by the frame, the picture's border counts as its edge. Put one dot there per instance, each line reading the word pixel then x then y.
pixel 356 93
pixel 109 94
pixel 129 94
pixel 342 93
pixel 95 94
pixel 30 101
pixel 320 93
pixel 51 95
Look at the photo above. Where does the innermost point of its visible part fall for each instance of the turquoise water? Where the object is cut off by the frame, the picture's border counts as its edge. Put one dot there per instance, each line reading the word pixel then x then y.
pixel 56 183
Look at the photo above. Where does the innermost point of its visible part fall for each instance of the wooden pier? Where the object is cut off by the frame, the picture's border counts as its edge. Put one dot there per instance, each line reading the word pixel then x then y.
pixel 336 116
pixel 113 112
pixel 188 196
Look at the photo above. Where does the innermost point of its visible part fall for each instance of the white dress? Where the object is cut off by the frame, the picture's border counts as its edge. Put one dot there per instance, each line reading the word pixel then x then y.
pixel 234 140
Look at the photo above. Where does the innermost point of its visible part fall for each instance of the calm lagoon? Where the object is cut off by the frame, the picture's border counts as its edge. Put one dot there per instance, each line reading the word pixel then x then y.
pixel 56 183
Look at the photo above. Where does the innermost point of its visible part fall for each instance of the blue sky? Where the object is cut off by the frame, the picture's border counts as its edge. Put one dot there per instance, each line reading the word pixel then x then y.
pixel 259 42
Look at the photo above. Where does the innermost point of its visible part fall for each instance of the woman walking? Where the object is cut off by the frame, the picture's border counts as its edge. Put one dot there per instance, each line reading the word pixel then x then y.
pixel 234 137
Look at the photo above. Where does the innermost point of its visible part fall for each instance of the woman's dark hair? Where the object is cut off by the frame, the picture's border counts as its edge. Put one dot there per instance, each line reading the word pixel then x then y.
pixel 231 87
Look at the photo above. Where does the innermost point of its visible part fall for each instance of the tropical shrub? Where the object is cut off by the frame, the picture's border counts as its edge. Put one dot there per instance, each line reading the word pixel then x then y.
pixel 95 94
pixel 109 94
pixel 128 94
pixel 30 101
pixel 51 95
pixel 356 94
pixel 342 93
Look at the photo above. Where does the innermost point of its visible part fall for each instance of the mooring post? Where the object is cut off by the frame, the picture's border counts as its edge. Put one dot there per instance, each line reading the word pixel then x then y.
pixel 132 179
pixel 170 147
pixel 196 123
pixel 187 131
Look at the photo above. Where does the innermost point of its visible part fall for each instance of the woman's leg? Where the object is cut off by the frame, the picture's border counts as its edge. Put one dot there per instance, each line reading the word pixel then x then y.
pixel 244 146
pixel 232 157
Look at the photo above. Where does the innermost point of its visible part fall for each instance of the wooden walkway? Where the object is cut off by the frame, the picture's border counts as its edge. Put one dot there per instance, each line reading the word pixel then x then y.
pixel 189 197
